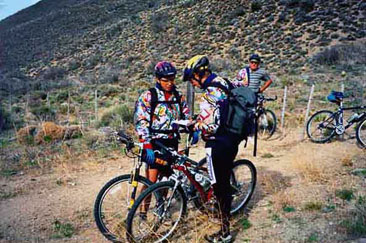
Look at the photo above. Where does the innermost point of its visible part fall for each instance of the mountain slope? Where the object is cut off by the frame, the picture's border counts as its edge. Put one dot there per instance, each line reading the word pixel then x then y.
pixel 85 36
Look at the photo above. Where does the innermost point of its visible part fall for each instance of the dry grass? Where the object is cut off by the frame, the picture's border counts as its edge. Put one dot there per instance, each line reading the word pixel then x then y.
pixel 283 199
pixel 273 182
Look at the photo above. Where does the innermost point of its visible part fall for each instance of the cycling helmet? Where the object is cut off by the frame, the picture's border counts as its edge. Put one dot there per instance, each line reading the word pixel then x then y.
pixel 254 57
pixel 197 64
pixel 164 69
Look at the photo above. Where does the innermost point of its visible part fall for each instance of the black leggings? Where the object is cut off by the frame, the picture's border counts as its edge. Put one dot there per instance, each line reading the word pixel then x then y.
pixel 222 152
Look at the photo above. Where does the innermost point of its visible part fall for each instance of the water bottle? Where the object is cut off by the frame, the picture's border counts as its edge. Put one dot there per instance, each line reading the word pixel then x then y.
pixel 202 180
pixel 353 118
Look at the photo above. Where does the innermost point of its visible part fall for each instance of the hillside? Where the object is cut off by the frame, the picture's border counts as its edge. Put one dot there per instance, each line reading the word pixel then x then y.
pixel 72 69
pixel 53 41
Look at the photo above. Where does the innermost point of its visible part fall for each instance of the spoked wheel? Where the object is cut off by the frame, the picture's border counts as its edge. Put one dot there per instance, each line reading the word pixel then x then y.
pixel 111 206
pixel 321 126
pixel 156 213
pixel 243 180
pixel 361 133
pixel 267 123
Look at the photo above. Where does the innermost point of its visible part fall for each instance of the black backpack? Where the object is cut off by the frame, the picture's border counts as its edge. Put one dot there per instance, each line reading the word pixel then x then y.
pixel 237 112
pixel 154 102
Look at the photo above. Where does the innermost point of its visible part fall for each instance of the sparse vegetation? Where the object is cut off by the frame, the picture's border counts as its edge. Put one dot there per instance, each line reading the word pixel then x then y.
pixel 313 206
pixel 62 230
pixel 345 194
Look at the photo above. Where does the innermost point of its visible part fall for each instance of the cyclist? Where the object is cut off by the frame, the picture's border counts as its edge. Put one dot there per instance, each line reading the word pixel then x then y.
pixel 155 111
pixel 221 146
pixel 253 75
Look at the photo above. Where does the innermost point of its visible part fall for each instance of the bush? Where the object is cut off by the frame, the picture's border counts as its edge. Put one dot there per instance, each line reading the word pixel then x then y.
pixel 116 116
pixel 44 113
pixel 348 54
pixel 159 22
pixel 256 6
pixel 53 73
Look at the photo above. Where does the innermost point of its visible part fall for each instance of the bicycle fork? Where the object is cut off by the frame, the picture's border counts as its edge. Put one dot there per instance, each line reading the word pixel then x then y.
pixel 133 181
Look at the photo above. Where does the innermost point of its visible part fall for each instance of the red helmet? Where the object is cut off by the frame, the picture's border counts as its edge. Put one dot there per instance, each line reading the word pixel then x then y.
pixel 165 69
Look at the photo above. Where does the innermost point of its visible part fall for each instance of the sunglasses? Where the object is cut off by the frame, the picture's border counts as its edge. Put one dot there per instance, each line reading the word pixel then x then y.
pixel 171 79
pixel 254 62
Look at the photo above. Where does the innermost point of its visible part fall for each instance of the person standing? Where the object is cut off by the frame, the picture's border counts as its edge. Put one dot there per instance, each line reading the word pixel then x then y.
pixel 155 112
pixel 221 146
pixel 253 76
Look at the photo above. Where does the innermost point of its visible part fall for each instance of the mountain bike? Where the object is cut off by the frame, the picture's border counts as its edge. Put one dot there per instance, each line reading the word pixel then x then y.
pixel 165 203
pixel 267 121
pixel 325 124
pixel 118 195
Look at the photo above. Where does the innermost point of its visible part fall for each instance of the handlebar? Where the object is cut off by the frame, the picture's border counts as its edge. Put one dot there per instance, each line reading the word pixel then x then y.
pixel 262 98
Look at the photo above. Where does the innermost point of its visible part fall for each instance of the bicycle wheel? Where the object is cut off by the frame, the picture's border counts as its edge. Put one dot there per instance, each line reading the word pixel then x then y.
pixel 111 206
pixel 243 180
pixel 320 128
pixel 267 123
pixel 361 133
pixel 163 213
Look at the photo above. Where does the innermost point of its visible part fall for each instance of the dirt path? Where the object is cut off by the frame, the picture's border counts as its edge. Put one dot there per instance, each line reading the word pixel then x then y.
pixel 31 204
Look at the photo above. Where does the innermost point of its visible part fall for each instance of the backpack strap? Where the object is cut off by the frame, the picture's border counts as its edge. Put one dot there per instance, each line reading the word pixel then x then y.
pixel 153 104
pixel 248 74
pixel 155 101
pixel 222 87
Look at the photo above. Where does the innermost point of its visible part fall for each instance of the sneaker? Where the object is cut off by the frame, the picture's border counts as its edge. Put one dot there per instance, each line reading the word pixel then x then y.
pixel 219 237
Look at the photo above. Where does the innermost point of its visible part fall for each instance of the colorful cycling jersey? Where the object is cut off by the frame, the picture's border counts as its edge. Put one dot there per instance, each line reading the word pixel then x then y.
pixel 255 77
pixel 164 115
pixel 208 120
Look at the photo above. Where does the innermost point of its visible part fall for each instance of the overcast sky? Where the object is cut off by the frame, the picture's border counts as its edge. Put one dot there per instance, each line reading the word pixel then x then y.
pixel 9 7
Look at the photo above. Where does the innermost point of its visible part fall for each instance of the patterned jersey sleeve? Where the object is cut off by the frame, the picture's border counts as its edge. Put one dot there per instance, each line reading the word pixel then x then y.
pixel 241 78
pixel 142 116
pixel 209 116
pixel 185 108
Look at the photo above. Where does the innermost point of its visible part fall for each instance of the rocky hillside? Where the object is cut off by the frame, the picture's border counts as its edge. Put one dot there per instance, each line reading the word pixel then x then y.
pixel 114 40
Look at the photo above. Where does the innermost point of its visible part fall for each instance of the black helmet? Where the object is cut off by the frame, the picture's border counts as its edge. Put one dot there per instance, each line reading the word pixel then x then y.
pixel 255 57
pixel 164 69
pixel 199 64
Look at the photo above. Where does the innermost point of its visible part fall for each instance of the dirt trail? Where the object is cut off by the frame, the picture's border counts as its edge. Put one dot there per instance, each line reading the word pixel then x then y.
pixel 35 202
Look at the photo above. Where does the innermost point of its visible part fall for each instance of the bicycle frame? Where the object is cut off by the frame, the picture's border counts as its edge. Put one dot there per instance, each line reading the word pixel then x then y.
pixel 135 172
pixel 182 165
pixel 338 116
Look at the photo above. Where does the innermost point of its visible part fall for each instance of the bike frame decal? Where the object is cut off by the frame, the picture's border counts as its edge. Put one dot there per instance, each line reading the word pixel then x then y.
pixel 210 168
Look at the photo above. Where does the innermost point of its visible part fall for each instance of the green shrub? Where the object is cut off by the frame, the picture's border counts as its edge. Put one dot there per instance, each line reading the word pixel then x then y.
pixel 345 194
pixel 44 112
pixel 62 230
pixel 245 223
pixel 256 6
pixel 347 54
pixel 313 206
pixel 116 116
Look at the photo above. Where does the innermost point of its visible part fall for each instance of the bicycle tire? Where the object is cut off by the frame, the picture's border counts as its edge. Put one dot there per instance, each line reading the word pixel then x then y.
pixel 113 228
pixel 361 132
pixel 267 126
pixel 325 130
pixel 156 215
pixel 240 203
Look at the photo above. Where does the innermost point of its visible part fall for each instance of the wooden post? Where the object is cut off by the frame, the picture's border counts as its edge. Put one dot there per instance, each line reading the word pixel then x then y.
pixel 48 99
pixel 308 109
pixel 190 98
pixel 68 107
pixel 284 107
pixel 96 105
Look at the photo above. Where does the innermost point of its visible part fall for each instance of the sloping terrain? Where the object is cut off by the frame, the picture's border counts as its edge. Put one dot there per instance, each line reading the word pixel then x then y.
pixel 80 37
pixel 296 198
